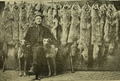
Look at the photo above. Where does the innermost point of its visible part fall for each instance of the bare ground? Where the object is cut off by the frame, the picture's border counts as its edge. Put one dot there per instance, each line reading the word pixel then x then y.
pixel 11 75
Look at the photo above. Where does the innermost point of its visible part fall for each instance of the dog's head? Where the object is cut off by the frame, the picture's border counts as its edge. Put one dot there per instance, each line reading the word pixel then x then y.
pixel 47 41
pixel 22 42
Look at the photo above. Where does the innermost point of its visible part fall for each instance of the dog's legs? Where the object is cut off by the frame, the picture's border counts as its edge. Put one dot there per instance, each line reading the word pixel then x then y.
pixel 49 67
pixel 20 74
pixel 5 50
pixel 71 62
pixel 19 52
pixel 18 65
pixel 4 65
pixel 54 65
pixel 25 63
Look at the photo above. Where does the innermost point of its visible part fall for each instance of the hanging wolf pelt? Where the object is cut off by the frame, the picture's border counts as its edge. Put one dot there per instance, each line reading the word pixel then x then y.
pixel 75 23
pixel 65 22
pixel 111 27
pixel 30 14
pixel 84 40
pixel 50 17
pixel 96 38
pixel 15 28
pixel 6 23
pixel 102 15
pixel 56 18
pixel 8 45
pixel 23 20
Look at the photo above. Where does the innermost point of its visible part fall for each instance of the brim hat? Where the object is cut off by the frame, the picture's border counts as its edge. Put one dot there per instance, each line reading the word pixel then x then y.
pixel 38 14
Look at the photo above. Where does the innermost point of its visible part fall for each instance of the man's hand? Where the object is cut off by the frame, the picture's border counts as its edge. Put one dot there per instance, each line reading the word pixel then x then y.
pixel 27 24
pixel 28 46
pixel 21 55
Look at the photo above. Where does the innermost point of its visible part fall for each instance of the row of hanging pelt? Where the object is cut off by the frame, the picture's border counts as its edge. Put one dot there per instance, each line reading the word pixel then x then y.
pixel 80 26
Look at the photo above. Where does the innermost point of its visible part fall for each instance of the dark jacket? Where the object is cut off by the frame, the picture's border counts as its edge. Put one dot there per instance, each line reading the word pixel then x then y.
pixel 34 33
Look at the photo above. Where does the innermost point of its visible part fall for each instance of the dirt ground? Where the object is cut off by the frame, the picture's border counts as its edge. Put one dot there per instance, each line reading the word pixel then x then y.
pixel 11 75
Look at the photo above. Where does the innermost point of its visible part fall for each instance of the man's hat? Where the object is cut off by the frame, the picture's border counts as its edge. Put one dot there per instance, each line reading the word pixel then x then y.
pixel 37 13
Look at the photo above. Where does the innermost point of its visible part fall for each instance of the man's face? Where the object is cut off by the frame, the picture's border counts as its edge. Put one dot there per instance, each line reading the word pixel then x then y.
pixel 38 20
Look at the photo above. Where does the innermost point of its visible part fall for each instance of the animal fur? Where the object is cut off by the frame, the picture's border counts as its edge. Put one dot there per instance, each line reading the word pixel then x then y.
pixel 111 26
pixel 65 22
pixel 51 52
pixel 30 14
pixel 102 15
pixel 7 23
pixel 74 28
pixel 22 53
pixel 96 38
pixel 84 40
pixel 23 20
pixel 15 13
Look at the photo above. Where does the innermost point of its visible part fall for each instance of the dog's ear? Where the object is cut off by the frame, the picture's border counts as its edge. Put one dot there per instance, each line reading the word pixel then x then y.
pixel 25 42
pixel 50 39
pixel 56 50
pixel 44 39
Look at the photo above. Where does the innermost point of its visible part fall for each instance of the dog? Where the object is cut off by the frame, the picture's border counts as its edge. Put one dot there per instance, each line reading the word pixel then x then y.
pixel 8 54
pixel 23 53
pixel 50 53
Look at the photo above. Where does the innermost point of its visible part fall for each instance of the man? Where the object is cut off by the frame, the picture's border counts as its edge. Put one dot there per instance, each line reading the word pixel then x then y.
pixel 34 36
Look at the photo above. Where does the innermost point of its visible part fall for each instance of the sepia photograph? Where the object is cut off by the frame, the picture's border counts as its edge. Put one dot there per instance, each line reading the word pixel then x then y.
pixel 59 40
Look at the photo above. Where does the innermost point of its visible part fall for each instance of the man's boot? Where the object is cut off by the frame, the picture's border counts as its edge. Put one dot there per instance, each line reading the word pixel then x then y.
pixel 36 72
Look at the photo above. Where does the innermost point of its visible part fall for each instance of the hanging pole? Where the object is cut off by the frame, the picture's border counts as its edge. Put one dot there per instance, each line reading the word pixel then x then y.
pixel 52 3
